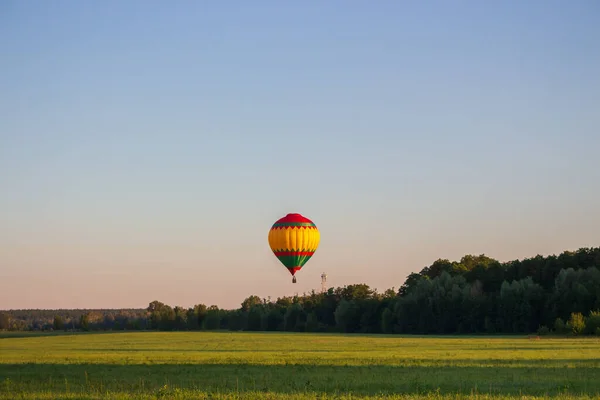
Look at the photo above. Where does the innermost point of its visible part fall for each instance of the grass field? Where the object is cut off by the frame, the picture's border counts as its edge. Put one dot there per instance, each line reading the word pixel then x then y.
pixel 294 366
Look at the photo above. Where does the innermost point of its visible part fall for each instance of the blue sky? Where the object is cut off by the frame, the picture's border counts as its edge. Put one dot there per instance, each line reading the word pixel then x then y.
pixel 147 147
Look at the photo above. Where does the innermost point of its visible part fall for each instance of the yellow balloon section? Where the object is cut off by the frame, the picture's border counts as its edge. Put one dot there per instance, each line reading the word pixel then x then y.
pixel 290 239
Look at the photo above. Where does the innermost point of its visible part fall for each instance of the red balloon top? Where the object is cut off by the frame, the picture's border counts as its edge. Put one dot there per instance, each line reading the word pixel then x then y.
pixel 293 217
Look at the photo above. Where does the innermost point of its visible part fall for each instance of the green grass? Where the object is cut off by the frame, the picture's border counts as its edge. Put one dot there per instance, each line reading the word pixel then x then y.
pixel 169 365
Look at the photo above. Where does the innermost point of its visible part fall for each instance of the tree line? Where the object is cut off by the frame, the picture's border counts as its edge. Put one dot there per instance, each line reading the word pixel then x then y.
pixel 475 295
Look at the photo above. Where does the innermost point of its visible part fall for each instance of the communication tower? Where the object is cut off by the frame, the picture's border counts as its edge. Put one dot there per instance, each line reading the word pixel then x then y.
pixel 323 282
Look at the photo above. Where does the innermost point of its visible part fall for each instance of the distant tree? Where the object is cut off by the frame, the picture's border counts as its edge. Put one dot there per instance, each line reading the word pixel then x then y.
pixel 58 323
pixel 251 301
pixel 436 269
pixel 274 319
pixel 301 320
pixel 255 318
pixel 470 261
pixel 592 322
pixel 167 318
pixel 386 321
pixel 155 309
pixel 109 321
pixel 155 306
pixel 410 283
pixel 356 292
pixel 4 321
pixel 180 322
pixel 213 318
pixel 576 323
pixel 200 311
pixel 347 316
pixel 291 317
pixel 559 326
pixel 192 319
pixel 312 323
pixel 84 322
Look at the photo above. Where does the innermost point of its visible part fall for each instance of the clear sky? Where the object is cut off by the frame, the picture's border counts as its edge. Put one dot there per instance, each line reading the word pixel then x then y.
pixel 146 147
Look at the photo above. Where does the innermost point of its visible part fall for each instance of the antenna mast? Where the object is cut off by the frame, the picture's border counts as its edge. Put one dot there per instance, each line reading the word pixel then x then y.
pixel 323 282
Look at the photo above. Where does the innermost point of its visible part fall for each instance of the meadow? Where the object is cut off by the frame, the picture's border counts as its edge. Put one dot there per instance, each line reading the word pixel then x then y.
pixel 227 365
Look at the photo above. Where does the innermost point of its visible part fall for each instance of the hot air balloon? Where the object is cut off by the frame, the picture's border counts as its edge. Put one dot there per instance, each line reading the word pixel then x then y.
pixel 294 239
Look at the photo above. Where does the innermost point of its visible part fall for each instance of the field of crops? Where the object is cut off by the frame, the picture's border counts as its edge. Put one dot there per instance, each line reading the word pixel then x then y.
pixel 294 366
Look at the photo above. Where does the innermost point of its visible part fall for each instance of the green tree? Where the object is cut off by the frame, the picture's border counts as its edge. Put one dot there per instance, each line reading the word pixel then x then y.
pixel 213 319
pixel 357 292
pixel 300 320
pixel 410 283
pixel 437 268
pixel 201 311
pixel 192 319
pixel 576 323
pixel 559 326
pixel 290 318
pixel 255 318
pixel 58 323
pixel 180 322
pixel 386 321
pixel 592 323
pixel 84 322
pixel 250 302
pixel 312 323
pixel 167 318
pixel 155 308
pixel 274 319
pixel 347 316
pixel 4 321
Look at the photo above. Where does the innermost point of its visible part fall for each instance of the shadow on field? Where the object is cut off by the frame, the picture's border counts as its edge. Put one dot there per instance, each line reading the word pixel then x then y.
pixel 505 377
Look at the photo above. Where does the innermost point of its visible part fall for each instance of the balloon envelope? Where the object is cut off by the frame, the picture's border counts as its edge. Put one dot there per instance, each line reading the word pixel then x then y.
pixel 294 239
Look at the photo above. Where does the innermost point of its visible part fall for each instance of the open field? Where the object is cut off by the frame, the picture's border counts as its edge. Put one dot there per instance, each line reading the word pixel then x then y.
pixel 294 366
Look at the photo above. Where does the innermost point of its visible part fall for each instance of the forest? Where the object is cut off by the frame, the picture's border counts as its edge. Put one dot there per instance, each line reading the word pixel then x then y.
pixel 475 295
